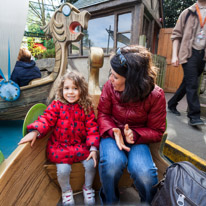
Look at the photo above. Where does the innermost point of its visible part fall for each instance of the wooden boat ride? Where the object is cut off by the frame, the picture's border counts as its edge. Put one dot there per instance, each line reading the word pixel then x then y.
pixel 26 178
pixel 62 29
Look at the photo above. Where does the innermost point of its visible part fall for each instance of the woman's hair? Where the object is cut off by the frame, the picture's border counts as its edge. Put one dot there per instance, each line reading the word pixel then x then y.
pixel 24 55
pixel 140 74
pixel 85 99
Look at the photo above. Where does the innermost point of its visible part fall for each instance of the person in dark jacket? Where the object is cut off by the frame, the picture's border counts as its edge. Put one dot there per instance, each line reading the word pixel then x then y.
pixel 131 114
pixel 25 69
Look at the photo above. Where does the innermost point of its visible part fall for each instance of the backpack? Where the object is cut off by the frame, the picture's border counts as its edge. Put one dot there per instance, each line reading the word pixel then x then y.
pixel 183 185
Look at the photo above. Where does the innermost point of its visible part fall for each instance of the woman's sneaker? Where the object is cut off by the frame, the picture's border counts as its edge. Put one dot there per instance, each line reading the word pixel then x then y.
pixel 89 196
pixel 67 198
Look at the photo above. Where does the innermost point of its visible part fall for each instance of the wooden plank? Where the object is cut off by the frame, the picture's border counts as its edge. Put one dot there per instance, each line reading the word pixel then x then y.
pixel 174 75
pixel 28 97
pixel 161 35
pixel 173 78
pixel 137 19
pixel 110 4
pixel 30 185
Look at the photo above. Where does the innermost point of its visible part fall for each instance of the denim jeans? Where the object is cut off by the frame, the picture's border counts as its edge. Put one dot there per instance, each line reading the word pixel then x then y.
pixel 63 174
pixel 139 164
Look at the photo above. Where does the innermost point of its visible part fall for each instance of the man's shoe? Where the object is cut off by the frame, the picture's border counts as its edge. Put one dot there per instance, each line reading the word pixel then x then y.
pixel 195 122
pixel 174 111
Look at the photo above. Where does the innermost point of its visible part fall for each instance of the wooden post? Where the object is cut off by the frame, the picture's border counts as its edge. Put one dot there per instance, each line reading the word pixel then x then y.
pixel 95 62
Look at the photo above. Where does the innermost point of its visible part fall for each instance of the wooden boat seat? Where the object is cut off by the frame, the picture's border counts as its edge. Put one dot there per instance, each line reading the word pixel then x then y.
pixel 40 81
pixel 77 174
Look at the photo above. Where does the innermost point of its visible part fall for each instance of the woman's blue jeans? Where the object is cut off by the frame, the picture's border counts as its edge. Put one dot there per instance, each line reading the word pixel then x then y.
pixel 139 164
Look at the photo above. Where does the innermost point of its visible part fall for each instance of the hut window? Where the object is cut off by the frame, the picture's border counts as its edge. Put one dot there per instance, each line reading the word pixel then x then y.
pixel 147 30
pixel 100 33
pixel 124 29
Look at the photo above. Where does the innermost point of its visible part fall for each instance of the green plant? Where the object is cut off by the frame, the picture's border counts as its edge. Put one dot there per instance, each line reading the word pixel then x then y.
pixel 172 10
pixel 49 53
pixel 36 51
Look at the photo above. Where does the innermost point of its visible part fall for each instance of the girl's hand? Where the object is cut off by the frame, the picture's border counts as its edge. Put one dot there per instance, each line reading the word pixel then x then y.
pixel 119 140
pixel 128 134
pixel 93 155
pixel 30 137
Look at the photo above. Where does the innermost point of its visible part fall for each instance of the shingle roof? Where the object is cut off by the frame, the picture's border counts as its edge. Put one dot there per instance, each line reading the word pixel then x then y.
pixel 85 3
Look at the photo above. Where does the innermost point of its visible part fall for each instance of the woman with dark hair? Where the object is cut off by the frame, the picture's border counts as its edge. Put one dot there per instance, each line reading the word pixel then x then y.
pixel 131 114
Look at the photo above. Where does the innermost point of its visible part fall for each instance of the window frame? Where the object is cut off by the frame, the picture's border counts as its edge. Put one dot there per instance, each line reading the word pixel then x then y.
pixel 116 14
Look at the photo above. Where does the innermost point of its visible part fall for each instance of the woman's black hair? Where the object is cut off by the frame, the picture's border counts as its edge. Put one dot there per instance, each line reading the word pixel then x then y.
pixel 141 75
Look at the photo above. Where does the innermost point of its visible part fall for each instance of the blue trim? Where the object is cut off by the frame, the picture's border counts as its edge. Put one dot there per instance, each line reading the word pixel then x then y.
pixel 1 73
pixel 9 90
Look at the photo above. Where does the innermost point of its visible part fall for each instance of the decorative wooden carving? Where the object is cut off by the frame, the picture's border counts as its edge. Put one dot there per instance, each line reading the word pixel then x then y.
pixel 61 28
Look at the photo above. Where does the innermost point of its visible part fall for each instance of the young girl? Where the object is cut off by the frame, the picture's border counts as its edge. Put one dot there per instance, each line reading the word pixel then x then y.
pixel 75 136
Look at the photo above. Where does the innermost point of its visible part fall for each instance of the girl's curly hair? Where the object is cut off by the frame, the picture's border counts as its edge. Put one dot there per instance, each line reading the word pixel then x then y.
pixel 85 100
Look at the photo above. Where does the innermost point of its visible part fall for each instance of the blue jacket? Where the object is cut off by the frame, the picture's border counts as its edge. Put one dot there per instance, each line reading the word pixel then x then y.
pixel 24 72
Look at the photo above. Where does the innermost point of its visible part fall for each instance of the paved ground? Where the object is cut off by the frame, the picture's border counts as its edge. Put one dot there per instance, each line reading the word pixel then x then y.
pixel 128 197
pixel 186 136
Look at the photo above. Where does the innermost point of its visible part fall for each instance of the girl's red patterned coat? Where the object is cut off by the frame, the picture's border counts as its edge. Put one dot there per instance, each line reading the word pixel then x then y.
pixel 73 132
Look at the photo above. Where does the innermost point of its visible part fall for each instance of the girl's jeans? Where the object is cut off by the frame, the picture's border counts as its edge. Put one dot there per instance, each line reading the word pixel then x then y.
pixel 139 164
pixel 63 174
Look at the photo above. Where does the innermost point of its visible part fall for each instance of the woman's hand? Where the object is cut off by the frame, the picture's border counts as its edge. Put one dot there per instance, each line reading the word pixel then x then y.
pixel 30 137
pixel 128 134
pixel 93 155
pixel 119 140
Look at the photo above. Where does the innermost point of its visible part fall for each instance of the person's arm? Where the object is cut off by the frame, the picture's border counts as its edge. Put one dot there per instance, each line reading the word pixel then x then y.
pixel 104 119
pixel 175 51
pixel 93 137
pixel 92 131
pixel 38 74
pixel 156 122
pixel 30 137
pixel 93 155
pixel 176 37
pixel 47 121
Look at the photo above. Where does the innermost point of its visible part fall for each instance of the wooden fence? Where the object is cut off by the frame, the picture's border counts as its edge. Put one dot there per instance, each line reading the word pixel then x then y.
pixel 161 64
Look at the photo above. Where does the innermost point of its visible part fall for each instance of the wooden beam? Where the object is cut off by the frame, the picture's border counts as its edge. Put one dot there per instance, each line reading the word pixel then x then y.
pixel 151 12
pixel 109 4
pixel 137 23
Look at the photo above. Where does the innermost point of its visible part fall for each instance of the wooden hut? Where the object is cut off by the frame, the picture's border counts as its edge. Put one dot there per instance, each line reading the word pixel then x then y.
pixel 122 22
pixel 114 24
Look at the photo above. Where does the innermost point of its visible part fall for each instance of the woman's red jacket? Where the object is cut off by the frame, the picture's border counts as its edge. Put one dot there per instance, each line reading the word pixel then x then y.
pixel 146 118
